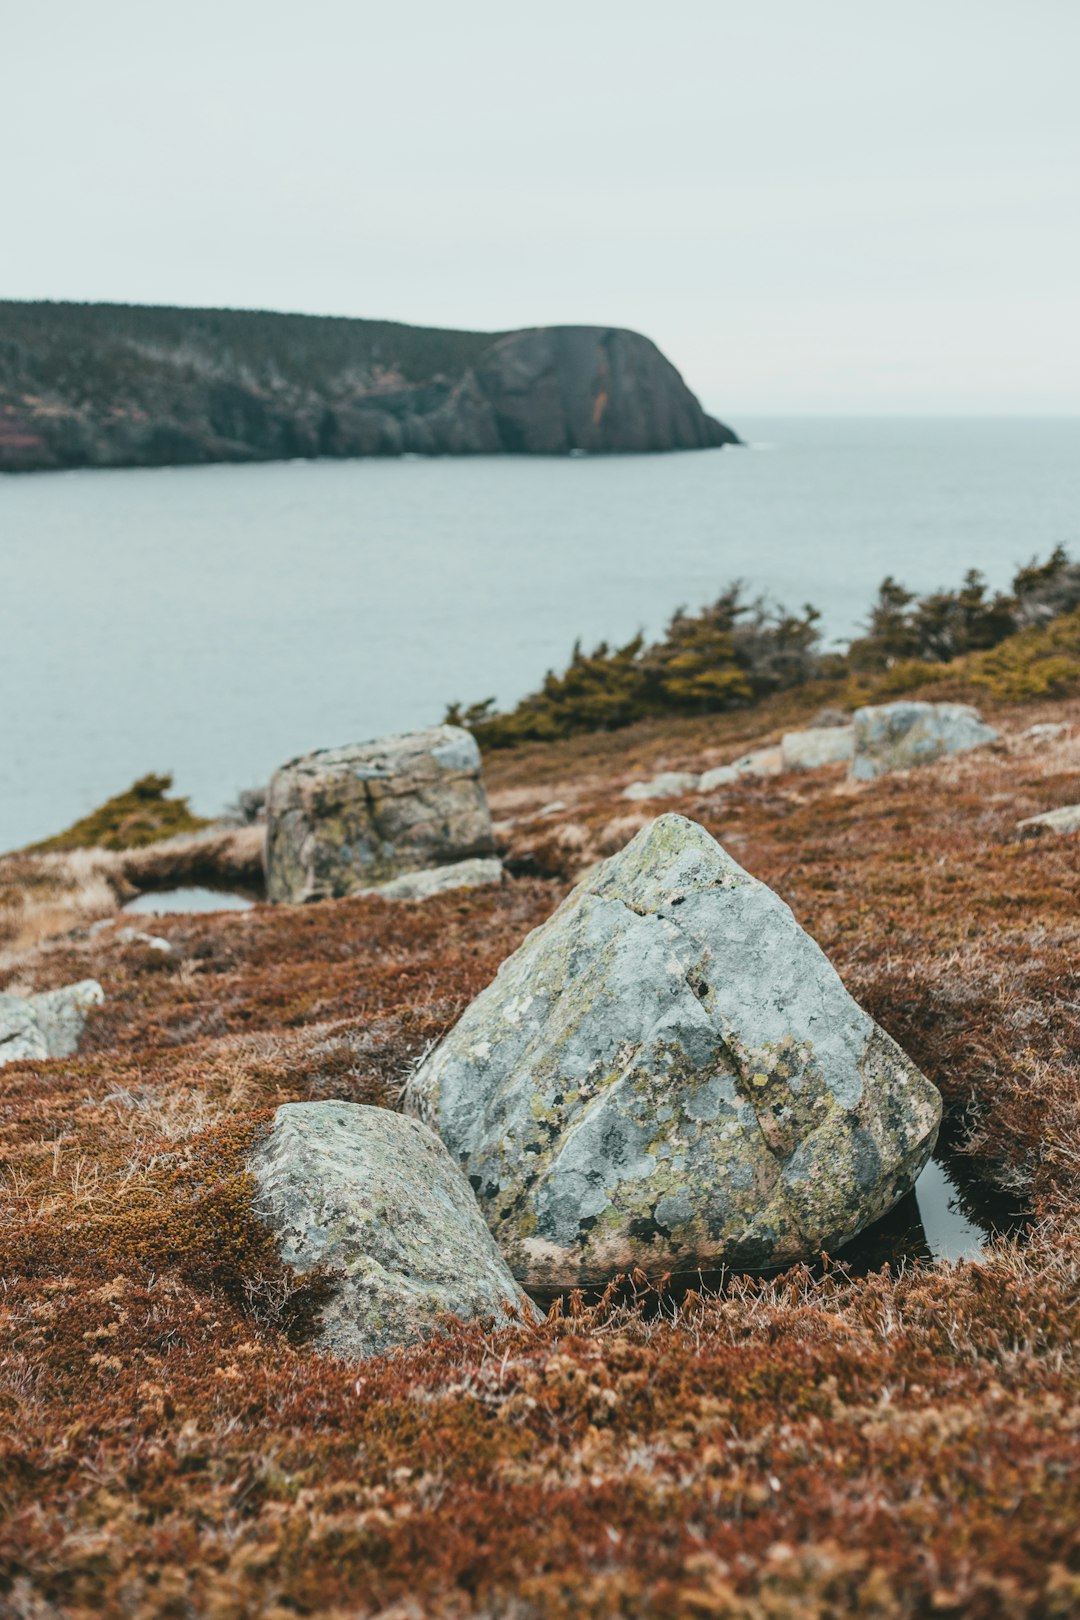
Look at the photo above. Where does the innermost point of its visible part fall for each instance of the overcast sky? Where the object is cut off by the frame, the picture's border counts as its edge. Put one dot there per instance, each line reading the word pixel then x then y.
pixel 827 206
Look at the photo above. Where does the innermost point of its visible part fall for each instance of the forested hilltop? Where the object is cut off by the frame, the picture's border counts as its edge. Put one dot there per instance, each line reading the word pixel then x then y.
pixel 115 385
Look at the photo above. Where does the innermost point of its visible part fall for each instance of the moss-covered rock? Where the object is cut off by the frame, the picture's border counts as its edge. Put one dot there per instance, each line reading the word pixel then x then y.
pixel 670 1075
pixel 345 820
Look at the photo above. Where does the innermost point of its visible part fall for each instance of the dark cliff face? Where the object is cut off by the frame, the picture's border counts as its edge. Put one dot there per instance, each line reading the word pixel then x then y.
pixel 102 385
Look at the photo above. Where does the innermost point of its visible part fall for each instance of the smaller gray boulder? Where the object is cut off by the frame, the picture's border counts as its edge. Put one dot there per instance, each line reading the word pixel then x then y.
pixel 760 762
pixel 439 880
pixel 376 1197
pixel 809 750
pixel 1062 821
pixel 344 820
pixel 47 1025
pixel 897 736
pixel 668 785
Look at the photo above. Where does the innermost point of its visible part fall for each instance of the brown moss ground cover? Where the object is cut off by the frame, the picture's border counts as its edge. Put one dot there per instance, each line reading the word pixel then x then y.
pixel 819 1445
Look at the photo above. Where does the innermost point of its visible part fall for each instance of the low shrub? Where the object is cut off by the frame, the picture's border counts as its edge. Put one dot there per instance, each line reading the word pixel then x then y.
pixel 143 815
pixel 736 654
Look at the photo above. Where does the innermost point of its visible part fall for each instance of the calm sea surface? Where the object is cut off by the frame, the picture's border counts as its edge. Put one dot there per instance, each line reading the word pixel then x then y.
pixel 215 621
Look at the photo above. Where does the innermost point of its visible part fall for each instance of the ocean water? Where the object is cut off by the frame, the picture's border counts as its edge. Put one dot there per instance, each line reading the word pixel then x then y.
pixel 215 621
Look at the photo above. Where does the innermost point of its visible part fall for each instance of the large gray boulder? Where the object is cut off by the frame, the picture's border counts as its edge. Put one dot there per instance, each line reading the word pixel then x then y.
pixel 897 736
pixel 344 820
pixel 47 1025
pixel 375 1197
pixel 669 1074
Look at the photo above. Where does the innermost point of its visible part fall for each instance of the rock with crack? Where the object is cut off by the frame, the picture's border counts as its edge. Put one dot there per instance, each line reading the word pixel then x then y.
pixel 343 820
pixel 897 736
pixel 760 763
pixel 48 1025
pixel 669 1074
pixel 376 1199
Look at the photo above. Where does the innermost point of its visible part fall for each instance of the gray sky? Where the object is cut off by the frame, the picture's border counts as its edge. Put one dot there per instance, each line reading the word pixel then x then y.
pixel 812 205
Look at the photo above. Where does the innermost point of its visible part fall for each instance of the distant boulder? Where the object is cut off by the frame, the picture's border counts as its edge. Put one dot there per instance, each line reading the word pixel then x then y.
pixel 375 1199
pixel 1062 821
pixel 433 880
pixel 898 736
pixel 759 763
pixel 668 785
pixel 343 821
pixel 48 1025
pixel 809 750
pixel 670 1075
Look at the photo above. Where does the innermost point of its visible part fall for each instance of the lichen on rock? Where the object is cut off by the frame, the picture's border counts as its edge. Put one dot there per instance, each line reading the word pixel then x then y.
pixel 373 1199
pixel 669 1074
pixel 344 820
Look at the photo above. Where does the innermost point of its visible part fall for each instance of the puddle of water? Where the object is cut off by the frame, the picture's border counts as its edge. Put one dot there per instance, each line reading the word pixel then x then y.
pixel 193 899
pixel 951 1233
pixel 936 1221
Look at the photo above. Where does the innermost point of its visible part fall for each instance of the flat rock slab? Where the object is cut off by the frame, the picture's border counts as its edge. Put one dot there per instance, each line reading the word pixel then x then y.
pixel 1062 821
pixel 376 1197
pixel 48 1025
pixel 809 750
pixel 343 820
pixel 440 879
pixel 897 736
pixel 669 1074
pixel 668 785
pixel 759 763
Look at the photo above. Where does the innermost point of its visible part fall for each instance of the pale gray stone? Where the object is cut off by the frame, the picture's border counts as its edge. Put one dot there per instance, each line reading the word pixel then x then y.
pixel 47 1025
pixel 1048 731
pixel 809 750
pixel 719 776
pixel 376 1197
pixel 348 819
pixel 439 879
pixel 896 736
pixel 668 785
pixel 136 936
pixel 670 1074
pixel 1064 820
pixel 760 762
